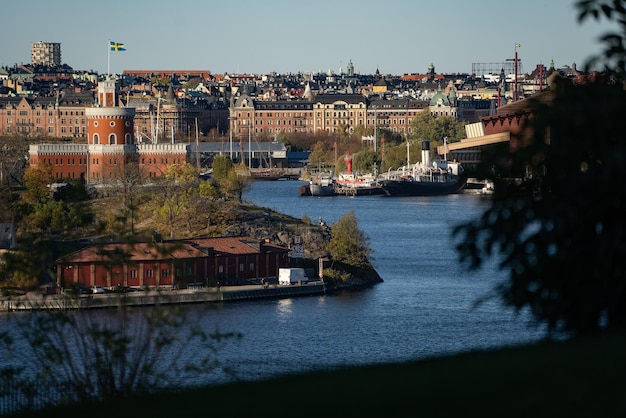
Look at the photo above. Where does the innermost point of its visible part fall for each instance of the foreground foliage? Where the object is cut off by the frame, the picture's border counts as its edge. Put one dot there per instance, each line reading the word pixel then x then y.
pixel 577 378
pixel 67 357
pixel 561 231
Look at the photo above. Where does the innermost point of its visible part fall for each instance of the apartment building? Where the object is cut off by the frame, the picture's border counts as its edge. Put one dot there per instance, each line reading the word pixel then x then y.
pixel 59 116
pixel 325 112
pixel 47 54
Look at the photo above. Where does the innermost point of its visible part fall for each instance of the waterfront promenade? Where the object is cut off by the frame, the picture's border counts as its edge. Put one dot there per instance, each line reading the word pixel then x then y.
pixel 37 301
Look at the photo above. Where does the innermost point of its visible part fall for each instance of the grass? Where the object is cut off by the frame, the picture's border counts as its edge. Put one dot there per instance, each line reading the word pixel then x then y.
pixel 584 377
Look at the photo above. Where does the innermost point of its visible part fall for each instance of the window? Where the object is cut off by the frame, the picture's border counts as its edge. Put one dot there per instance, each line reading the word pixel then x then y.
pixel 241 267
pixel 96 139
pixel 132 274
pixel 251 266
pixel 149 273
pixel 165 272
pixel 112 139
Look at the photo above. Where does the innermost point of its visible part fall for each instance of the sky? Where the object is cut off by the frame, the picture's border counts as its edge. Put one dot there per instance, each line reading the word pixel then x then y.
pixel 289 36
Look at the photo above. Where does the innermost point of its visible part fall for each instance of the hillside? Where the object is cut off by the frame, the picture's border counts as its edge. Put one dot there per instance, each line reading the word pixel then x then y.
pixel 209 218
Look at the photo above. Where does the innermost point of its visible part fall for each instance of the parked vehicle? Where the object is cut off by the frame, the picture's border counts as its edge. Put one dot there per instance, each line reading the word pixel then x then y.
pixel 97 289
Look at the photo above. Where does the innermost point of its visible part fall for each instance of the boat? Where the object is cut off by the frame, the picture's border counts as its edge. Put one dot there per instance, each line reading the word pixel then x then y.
pixel 476 186
pixel 322 186
pixel 266 173
pixel 355 184
pixel 441 177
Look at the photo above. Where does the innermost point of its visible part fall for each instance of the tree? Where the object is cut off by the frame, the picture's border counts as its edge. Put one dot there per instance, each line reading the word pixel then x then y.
pixel 68 357
pixel 348 244
pixel 365 161
pixel 560 232
pixel 176 187
pixel 129 182
pixel 434 128
pixel 37 181
pixel 237 182
pixel 221 165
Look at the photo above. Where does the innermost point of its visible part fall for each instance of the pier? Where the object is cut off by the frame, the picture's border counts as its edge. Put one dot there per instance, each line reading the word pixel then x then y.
pixel 36 301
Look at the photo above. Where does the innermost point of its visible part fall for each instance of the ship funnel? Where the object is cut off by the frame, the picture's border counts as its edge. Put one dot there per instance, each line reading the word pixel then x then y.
pixel 425 153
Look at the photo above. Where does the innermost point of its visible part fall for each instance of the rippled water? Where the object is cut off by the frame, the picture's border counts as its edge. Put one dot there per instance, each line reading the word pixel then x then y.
pixel 424 307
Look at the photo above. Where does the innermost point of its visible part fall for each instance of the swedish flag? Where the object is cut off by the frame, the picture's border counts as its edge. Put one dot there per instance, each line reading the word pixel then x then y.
pixel 115 46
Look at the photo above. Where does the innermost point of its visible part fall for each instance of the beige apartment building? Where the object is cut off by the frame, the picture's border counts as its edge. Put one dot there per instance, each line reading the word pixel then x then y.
pixel 326 112
pixel 45 116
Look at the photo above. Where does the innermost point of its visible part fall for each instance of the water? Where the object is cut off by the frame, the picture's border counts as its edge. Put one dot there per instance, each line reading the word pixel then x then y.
pixel 424 307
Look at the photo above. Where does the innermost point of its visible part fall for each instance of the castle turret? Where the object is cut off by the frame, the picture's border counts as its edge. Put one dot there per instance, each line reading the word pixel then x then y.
pixel 109 134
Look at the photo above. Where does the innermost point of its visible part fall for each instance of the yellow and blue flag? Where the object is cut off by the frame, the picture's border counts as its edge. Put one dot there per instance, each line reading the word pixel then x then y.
pixel 116 46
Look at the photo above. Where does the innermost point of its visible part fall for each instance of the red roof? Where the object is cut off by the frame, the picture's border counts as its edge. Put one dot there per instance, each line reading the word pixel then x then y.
pixel 136 252
pixel 234 245
pixel 184 249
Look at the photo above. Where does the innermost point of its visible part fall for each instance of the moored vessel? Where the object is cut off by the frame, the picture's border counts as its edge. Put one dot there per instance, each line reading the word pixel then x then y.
pixel 440 177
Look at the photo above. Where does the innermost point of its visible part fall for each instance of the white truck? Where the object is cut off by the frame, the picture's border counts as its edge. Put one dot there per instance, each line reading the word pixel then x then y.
pixel 288 276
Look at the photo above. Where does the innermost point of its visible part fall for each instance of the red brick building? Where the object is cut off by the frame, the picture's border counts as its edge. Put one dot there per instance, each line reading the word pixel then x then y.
pixel 110 145
pixel 223 260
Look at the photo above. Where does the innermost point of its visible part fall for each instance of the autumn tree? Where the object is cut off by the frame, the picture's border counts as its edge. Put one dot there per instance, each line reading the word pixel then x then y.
pixel 175 189
pixel 37 181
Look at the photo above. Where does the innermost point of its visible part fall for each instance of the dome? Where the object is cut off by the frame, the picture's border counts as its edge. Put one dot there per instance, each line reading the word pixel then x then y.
pixel 439 96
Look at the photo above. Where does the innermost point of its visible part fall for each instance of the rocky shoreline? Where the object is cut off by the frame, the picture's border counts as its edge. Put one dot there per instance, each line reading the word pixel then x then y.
pixel 266 224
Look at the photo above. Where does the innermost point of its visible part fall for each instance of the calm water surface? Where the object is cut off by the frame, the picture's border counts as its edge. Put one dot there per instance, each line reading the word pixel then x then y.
pixel 424 307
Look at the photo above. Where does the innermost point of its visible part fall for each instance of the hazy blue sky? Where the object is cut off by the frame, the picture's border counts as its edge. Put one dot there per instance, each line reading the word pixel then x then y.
pixel 287 36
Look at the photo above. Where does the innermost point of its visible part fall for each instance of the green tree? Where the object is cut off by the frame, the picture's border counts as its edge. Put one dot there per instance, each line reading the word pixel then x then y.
pixel 560 232
pixel 237 182
pixel 321 157
pixel 221 165
pixel 365 161
pixel 434 128
pixel 348 244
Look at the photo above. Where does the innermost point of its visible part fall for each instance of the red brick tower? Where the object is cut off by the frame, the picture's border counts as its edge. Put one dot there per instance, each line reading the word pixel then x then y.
pixel 110 131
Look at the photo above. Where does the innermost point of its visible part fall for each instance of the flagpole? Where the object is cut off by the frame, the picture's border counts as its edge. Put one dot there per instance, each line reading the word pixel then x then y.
pixel 109 59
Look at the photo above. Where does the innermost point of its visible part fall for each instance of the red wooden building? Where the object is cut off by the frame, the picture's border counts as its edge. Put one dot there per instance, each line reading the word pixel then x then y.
pixel 223 260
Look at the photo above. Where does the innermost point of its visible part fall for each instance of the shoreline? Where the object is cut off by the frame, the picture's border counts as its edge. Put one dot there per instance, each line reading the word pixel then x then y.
pixel 34 301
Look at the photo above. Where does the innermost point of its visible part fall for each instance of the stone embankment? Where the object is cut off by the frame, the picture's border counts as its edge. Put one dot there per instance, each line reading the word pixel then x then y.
pixel 35 301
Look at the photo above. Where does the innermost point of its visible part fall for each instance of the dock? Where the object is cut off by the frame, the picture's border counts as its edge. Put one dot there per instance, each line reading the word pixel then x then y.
pixel 36 301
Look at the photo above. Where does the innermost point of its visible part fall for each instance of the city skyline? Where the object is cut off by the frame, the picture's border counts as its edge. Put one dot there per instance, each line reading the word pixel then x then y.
pixel 282 36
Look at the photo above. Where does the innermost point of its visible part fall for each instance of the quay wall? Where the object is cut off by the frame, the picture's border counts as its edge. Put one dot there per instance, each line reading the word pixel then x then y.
pixel 147 298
